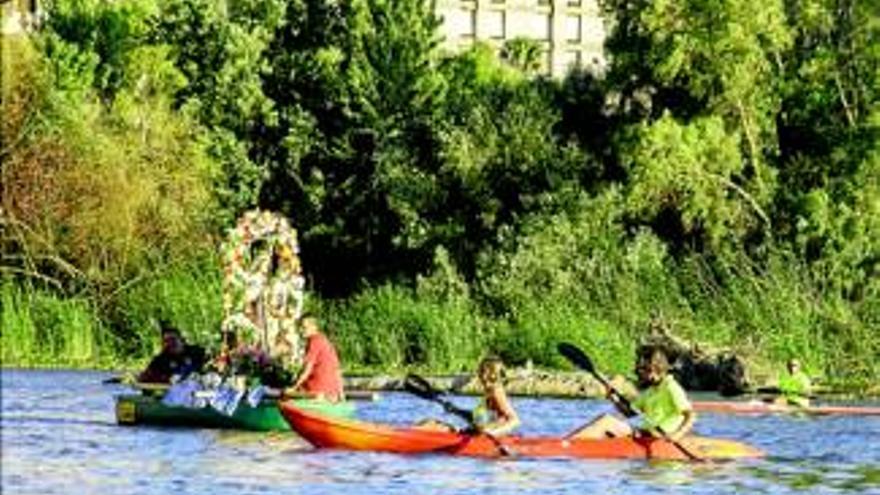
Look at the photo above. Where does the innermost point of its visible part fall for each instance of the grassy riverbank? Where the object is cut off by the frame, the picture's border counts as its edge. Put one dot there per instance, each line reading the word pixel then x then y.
pixel 443 326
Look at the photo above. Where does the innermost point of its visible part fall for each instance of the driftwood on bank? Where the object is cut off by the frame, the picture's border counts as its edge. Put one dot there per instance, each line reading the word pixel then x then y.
pixel 696 367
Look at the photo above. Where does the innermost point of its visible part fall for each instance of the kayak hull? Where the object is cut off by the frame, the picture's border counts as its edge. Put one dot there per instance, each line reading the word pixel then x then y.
pixel 136 409
pixel 756 407
pixel 349 434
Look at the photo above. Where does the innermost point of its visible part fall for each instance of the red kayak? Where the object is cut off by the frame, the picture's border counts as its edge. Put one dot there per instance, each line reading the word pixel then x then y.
pixel 757 407
pixel 339 433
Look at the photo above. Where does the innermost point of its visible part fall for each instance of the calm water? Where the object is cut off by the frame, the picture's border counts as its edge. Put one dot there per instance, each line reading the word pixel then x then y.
pixel 59 436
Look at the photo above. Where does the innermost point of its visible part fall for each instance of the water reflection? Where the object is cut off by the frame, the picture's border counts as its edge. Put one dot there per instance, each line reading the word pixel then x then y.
pixel 59 436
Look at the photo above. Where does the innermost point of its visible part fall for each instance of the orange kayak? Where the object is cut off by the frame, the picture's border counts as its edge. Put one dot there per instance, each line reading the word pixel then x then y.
pixel 349 434
pixel 757 407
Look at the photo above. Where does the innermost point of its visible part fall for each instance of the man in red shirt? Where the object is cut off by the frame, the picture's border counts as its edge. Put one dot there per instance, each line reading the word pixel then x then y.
pixel 320 375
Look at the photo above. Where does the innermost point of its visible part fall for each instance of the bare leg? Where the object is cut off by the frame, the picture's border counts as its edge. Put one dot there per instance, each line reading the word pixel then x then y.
pixel 434 425
pixel 604 426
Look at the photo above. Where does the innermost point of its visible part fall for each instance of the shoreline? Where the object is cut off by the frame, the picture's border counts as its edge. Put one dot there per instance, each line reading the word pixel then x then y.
pixel 519 382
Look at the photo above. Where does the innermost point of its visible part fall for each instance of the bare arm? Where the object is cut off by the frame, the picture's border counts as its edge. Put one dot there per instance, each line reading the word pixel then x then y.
pixel 304 374
pixel 507 420
pixel 685 427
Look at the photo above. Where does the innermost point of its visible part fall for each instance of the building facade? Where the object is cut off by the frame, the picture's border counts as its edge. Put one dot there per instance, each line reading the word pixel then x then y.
pixel 571 33
pixel 19 16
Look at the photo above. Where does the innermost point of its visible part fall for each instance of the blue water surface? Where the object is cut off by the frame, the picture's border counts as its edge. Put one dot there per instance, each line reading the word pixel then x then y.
pixel 58 436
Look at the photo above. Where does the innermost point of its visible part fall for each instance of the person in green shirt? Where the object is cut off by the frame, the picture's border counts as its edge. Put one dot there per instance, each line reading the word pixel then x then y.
pixel 794 385
pixel 663 406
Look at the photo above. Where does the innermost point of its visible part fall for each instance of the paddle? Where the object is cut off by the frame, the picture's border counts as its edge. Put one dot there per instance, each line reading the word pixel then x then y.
pixel 580 359
pixel 773 390
pixel 360 395
pixel 125 379
pixel 420 387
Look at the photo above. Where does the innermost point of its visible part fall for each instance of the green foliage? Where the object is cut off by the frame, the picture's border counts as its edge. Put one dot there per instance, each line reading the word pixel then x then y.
pixel 187 295
pixel 105 184
pixel 523 53
pixel 390 327
pixel 696 58
pixel 41 329
pixel 220 47
pixel 356 91
pixel 831 137
pixel 112 33
pixel 501 157
pixel 690 172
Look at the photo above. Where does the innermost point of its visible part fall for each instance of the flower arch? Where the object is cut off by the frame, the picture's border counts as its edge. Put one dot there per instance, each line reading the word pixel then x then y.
pixel 263 285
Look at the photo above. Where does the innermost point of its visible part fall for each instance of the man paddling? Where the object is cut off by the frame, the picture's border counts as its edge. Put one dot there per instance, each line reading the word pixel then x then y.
pixel 320 375
pixel 664 407
pixel 177 358
pixel 794 385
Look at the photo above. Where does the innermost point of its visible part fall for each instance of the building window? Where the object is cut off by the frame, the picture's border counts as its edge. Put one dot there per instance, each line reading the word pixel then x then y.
pixel 544 3
pixel 461 23
pixel 539 26
pixel 573 28
pixel 495 24
pixel 574 3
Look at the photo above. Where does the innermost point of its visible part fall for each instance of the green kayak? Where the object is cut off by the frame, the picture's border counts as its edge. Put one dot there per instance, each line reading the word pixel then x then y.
pixel 137 409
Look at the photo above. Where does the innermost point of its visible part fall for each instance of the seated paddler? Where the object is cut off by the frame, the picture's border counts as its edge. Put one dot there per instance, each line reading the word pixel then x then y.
pixel 321 376
pixel 494 413
pixel 662 407
pixel 794 385
pixel 176 359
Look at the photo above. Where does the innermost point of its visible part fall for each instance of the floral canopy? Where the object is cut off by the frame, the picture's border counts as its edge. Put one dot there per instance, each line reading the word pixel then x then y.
pixel 263 285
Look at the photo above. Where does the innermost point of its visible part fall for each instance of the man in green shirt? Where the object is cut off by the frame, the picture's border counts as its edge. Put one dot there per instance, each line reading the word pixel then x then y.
pixel 794 385
pixel 663 405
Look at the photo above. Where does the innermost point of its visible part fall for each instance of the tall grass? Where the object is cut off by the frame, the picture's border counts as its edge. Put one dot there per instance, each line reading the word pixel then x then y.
pixel 392 327
pixel 187 295
pixel 42 329
pixel 604 301
pixel 579 276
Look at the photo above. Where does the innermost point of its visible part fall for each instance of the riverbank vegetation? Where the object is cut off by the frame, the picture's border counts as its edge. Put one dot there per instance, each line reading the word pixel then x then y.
pixel 721 173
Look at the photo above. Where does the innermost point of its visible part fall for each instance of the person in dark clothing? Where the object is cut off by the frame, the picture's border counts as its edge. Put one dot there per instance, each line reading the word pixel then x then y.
pixel 176 358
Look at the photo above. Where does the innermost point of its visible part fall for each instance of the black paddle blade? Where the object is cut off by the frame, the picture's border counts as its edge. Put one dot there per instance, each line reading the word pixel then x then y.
pixel 578 357
pixel 420 387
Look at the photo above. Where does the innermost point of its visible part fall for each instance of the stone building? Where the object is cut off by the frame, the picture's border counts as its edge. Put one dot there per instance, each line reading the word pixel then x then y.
pixel 19 16
pixel 570 32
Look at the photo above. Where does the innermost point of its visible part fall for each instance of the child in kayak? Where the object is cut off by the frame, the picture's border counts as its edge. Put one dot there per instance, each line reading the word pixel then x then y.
pixel 663 405
pixel 493 415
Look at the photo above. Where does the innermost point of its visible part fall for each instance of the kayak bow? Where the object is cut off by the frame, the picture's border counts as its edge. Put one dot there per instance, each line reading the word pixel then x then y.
pixel 349 434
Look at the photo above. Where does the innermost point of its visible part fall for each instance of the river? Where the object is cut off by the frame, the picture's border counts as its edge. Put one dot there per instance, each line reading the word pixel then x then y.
pixel 59 436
